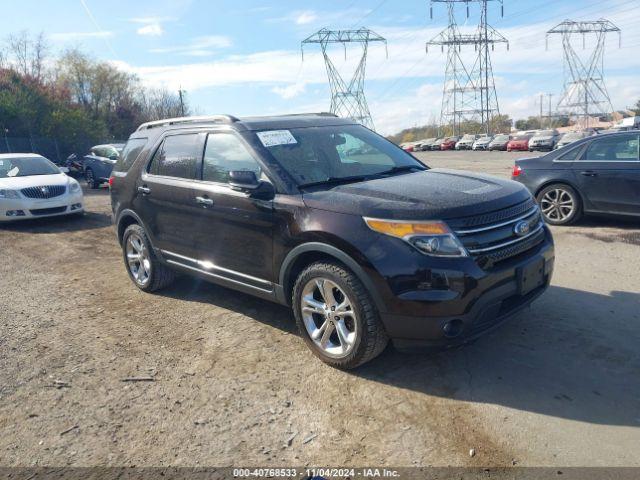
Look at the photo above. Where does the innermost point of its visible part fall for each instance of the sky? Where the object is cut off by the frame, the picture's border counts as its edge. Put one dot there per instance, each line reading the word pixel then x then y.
pixel 243 57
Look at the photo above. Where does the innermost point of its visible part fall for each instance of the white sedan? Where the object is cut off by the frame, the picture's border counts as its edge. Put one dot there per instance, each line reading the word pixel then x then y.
pixel 32 186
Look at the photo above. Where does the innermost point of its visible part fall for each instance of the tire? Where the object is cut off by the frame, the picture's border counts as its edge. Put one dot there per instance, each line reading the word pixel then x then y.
pixel 149 275
pixel 91 179
pixel 557 212
pixel 360 324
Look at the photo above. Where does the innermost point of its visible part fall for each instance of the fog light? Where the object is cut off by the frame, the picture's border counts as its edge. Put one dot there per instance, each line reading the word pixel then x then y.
pixel 76 206
pixel 453 328
pixel 15 213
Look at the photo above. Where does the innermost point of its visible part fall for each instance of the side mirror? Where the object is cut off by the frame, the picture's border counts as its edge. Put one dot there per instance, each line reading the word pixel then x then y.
pixel 243 180
pixel 113 156
pixel 247 181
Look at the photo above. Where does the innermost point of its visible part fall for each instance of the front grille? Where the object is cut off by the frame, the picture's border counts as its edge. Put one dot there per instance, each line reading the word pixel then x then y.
pixel 493 217
pixel 45 191
pixel 48 211
pixel 497 241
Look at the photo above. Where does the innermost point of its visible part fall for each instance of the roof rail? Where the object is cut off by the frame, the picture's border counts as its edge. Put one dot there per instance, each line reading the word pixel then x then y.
pixel 180 120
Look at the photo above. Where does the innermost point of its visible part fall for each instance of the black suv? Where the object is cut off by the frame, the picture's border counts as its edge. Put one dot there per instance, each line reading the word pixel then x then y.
pixel 364 242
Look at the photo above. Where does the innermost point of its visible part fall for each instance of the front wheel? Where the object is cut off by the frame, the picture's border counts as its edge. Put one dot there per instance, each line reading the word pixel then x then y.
pixel 336 316
pixel 560 204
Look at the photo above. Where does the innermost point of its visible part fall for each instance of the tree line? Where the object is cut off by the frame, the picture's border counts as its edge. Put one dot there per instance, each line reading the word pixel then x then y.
pixel 72 97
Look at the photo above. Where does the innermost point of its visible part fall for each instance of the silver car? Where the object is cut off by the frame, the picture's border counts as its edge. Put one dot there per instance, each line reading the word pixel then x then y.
pixel 571 137
pixel 466 142
pixel 482 143
pixel 544 140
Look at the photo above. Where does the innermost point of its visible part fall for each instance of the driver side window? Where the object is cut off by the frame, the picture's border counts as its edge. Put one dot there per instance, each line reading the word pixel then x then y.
pixel 225 152
pixel 612 149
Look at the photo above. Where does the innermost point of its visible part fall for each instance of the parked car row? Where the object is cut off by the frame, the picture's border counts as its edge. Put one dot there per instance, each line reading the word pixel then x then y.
pixel 529 140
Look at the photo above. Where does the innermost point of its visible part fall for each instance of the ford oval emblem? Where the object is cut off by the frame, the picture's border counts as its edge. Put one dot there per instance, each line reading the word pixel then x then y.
pixel 521 228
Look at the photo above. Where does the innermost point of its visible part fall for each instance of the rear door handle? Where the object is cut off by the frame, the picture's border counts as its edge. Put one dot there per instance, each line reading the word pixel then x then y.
pixel 144 190
pixel 589 173
pixel 204 201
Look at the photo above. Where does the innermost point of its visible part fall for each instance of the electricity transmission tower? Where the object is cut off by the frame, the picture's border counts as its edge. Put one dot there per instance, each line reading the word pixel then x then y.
pixel 584 93
pixel 469 93
pixel 347 99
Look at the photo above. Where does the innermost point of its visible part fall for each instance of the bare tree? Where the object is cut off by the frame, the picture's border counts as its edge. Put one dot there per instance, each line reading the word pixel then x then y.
pixel 27 55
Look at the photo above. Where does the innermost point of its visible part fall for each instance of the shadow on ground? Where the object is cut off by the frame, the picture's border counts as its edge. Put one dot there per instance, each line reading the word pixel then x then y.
pixel 64 223
pixel 573 355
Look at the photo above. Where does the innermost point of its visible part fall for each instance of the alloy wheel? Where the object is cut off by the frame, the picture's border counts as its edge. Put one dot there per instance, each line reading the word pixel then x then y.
pixel 557 205
pixel 329 317
pixel 89 177
pixel 138 260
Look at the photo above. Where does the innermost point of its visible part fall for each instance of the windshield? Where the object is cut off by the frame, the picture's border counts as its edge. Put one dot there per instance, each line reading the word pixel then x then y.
pixel 319 154
pixel 501 138
pixel 26 166
pixel 522 137
pixel 545 133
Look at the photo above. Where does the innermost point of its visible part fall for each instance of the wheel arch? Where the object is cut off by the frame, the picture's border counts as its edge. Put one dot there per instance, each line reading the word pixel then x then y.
pixel 307 253
pixel 566 182
pixel 126 218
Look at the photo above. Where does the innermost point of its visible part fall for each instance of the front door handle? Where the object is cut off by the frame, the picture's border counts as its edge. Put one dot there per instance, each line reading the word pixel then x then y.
pixel 144 190
pixel 206 201
pixel 589 173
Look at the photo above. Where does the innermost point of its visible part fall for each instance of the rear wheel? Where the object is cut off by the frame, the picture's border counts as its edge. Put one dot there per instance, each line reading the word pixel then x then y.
pixel 560 204
pixel 91 179
pixel 336 316
pixel 144 268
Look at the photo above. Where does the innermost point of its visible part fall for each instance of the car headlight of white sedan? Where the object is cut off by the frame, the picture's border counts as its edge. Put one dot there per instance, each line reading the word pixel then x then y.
pixel 74 187
pixel 8 193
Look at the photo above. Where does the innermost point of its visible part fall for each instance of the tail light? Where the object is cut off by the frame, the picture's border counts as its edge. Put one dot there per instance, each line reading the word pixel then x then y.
pixel 110 182
pixel 517 170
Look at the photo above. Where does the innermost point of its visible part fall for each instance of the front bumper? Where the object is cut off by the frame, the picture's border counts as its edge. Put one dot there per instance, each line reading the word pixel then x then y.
pixel 12 209
pixel 480 301
pixel 541 146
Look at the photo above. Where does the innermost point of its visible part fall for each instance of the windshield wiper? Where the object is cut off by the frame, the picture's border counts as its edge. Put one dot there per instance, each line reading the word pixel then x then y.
pixel 402 168
pixel 335 181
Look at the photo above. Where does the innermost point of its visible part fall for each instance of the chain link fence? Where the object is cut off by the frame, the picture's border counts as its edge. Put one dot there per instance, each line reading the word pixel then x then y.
pixel 47 147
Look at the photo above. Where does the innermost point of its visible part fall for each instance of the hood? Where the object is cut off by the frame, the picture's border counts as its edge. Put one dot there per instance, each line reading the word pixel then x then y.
pixel 499 142
pixel 431 194
pixel 18 183
pixel 518 141
pixel 484 140
pixel 546 138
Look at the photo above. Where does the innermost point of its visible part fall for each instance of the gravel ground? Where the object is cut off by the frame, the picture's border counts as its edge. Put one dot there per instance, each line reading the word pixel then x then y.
pixel 227 380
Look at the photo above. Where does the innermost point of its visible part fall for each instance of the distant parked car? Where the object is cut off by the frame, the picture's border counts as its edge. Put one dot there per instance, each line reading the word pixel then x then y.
pixel 33 186
pixel 449 143
pixel 544 140
pixel 466 142
pixel 519 143
pixel 97 165
pixel 436 145
pixel 571 137
pixel 426 144
pixel 598 174
pixel 482 143
pixel 499 142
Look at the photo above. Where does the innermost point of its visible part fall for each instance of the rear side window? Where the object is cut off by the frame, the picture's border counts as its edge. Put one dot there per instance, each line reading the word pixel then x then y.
pixel 131 151
pixel 178 156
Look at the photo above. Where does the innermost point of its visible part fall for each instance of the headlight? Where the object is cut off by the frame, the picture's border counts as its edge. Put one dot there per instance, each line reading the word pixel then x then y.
pixel 431 238
pixel 6 193
pixel 74 186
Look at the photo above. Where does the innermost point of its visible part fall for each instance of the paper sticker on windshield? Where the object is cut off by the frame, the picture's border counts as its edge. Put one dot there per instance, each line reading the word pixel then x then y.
pixel 272 138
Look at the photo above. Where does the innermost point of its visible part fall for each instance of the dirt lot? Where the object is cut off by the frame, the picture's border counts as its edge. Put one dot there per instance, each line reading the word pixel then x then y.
pixel 558 385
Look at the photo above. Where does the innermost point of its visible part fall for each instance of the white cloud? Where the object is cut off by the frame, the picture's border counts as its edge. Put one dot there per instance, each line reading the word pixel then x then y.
pixel 198 47
pixel 306 17
pixel 151 30
pixel 290 91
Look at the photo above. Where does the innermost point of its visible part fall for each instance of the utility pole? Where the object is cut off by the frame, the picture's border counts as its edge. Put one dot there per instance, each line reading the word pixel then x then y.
pixel 347 99
pixel 550 95
pixel 469 92
pixel 180 94
pixel 585 93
